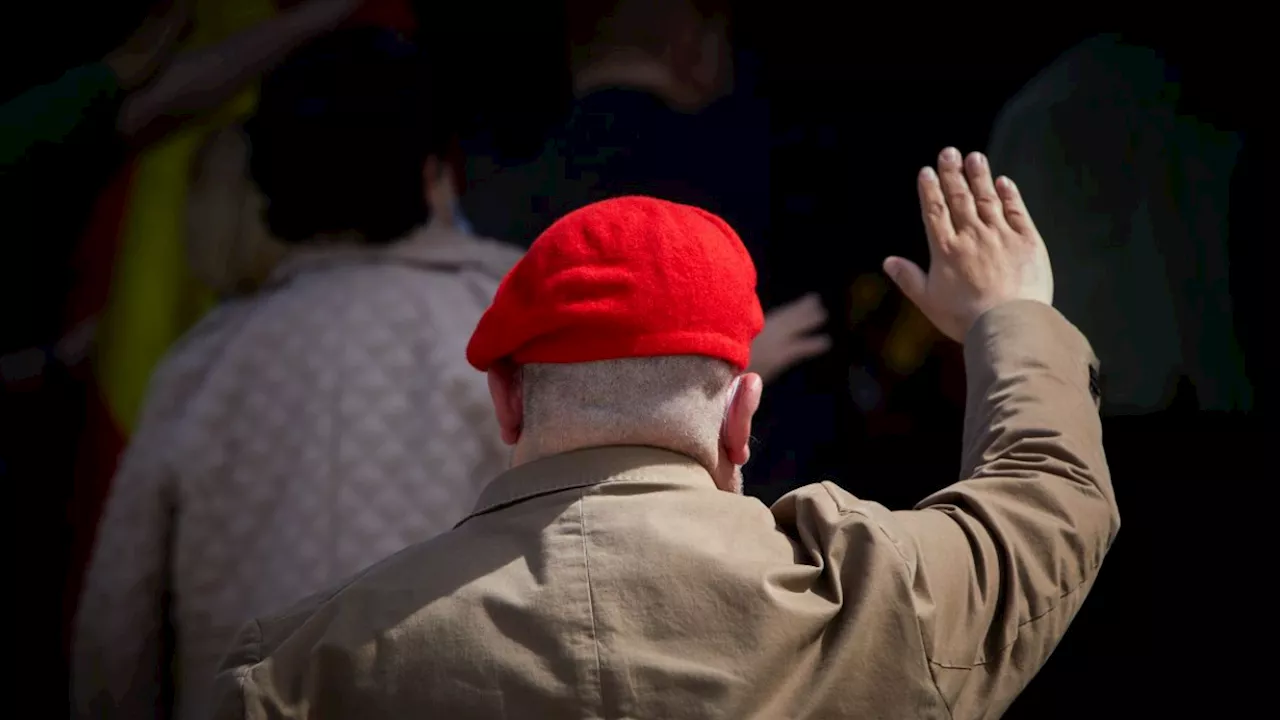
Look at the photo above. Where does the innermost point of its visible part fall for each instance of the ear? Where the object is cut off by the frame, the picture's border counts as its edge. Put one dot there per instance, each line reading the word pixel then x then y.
pixel 508 401
pixel 714 71
pixel 735 433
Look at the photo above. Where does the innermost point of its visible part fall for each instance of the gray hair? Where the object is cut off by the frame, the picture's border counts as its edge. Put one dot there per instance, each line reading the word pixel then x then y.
pixel 677 402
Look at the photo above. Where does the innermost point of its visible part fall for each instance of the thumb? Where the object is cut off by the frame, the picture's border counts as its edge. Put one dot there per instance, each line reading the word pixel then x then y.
pixel 908 276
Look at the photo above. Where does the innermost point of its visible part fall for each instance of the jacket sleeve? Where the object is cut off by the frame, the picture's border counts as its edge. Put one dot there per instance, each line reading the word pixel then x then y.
pixel 233 691
pixel 267 670
pixel 117 665
pixel 1000 562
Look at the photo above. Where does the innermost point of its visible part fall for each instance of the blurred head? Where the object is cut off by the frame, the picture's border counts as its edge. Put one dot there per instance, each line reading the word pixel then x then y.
pixel 628 322
pixel 341 137
pixel 678 49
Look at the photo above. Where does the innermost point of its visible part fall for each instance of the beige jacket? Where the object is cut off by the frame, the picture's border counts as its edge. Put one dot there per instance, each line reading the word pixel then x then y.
pixel 618 582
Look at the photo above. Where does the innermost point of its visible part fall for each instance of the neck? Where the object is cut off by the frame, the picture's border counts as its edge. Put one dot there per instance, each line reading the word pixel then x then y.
pixel 722 472
pixel 533 446
pixel 328 242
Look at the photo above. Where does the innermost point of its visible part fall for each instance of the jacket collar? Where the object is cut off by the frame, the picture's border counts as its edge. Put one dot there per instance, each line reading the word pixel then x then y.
pixel 592 466
pixel 434 246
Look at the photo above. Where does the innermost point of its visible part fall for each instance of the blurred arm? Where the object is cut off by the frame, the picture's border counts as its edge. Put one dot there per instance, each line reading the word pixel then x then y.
pixel 1001 561
pixel 80 108
pixel 200 80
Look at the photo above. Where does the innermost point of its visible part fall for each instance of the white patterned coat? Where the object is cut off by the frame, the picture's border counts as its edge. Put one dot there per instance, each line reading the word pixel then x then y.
pixel 288 441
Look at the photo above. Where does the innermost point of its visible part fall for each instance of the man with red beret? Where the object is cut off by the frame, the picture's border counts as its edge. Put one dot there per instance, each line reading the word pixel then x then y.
pixel 617 571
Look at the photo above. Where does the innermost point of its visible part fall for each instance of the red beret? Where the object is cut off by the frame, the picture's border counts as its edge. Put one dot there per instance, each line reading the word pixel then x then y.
pixel 627 277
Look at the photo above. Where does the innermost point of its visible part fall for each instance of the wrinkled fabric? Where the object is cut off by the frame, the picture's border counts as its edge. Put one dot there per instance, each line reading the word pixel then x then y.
pixel 289 440
pixel 619 582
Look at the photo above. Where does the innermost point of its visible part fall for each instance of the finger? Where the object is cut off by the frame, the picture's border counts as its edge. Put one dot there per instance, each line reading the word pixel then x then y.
pixel 956 189
pixel 809 314
pixel 798 312
pixel 805 348
pixel 908 277
pixel 978 171
pixel 933 209
pixel 1015 210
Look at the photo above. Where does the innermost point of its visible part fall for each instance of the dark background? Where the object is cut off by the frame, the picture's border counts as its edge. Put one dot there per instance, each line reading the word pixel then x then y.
pixel 851 109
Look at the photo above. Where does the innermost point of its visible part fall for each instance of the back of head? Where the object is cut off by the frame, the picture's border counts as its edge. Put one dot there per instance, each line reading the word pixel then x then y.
pixel 622 278
pixel 669 401
pixel 643 24
pixel 688 36
pixel 627 322
pixel 341 136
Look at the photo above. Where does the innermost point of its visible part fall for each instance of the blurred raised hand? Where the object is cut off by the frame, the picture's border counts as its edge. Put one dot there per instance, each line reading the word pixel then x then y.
pixel 197 81
pixel 151 45
pixel 788 337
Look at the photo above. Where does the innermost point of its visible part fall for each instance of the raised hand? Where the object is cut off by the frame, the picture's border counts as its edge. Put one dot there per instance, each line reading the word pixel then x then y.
pixel 151 45
pixel 983 248
pixel 787 339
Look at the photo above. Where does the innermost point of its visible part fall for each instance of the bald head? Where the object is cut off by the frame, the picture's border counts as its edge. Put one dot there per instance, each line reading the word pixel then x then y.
pixel 627 43
pixel 596 26
pixel 676 401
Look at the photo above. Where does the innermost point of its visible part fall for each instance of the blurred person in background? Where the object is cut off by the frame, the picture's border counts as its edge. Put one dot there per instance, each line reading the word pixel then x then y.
pixel 229 246
pixel 298 434
pixel 76 162
pixel 62 141
pixel 651 81
pixel 1140 188
pixel 644 76
pixel 616 570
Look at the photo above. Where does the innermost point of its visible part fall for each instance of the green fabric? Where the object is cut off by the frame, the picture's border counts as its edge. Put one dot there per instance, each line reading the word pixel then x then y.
pixel 58 148
pixel 75 104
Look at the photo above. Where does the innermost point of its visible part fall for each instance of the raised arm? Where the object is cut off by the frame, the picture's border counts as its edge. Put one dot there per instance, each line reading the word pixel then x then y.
pixel 1002 560
pixel 198 81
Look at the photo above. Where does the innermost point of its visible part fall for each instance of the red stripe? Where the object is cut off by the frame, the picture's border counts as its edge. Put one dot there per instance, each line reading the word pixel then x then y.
pixel 95 256
pixel 100 440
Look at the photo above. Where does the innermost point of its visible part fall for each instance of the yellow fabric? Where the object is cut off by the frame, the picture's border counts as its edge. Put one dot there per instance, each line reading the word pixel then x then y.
pixel 911 338
pixel 154 296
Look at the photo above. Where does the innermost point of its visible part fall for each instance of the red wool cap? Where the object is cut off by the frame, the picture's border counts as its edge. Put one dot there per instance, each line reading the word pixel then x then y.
pixel 621 278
